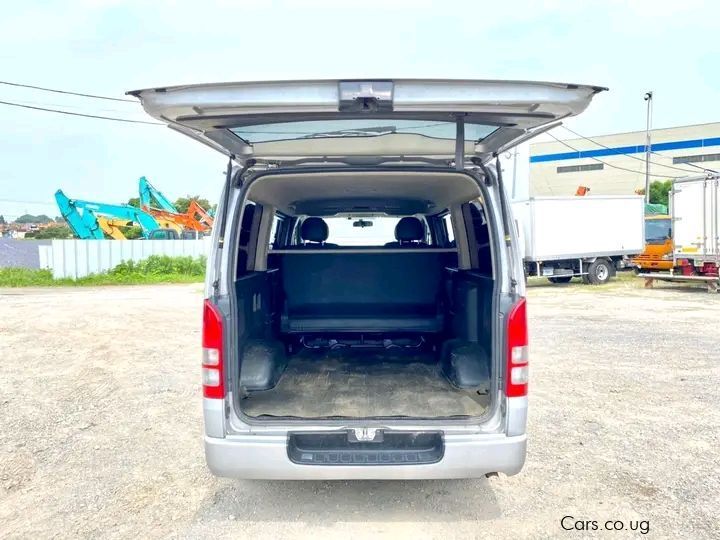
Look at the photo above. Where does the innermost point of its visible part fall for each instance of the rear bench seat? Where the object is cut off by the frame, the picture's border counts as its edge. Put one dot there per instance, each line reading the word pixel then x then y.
pixel 354 291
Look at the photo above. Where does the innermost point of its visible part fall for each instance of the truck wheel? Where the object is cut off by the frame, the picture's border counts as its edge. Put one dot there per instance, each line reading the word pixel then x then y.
pixel 599 272
pixel 560 279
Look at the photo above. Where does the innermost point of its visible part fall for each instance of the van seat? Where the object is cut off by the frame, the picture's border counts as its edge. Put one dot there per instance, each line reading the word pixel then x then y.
pixel 362 292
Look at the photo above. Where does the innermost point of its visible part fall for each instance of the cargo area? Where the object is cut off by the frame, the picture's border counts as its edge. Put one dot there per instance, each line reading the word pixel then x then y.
pixel 364 307
pixel 414 347
pixel 347 382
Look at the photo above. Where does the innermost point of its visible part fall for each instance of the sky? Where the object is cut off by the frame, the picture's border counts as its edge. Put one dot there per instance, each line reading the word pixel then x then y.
pixel 109 47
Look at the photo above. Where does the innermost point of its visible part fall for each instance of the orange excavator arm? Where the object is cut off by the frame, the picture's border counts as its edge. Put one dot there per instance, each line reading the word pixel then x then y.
pixel 195 211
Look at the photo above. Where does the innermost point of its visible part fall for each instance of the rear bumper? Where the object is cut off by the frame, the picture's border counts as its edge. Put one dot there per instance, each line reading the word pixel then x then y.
pixel 265 457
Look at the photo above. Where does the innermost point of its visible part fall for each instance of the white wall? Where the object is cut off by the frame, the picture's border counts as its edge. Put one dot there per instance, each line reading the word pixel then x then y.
pixel 79 258
pixel 622 174
pixel 516 172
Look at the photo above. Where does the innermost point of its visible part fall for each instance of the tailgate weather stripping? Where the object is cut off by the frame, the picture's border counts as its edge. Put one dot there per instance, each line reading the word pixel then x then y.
pixel 385 447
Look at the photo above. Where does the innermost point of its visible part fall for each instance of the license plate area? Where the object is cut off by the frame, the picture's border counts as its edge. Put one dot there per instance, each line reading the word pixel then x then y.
pixel 386 448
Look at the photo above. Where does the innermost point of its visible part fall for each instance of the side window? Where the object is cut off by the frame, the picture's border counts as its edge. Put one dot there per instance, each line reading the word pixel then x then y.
pixel 273 243
pixel 447 221
pixel 478 238
pixel 246 224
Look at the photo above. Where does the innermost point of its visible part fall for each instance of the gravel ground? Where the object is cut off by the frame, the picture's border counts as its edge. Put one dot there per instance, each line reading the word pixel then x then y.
pixel 23 253
pixel 100 427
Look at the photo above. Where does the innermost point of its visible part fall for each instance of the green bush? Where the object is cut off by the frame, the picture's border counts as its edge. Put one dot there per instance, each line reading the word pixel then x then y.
pixel 25 277
pixel 154 269
pixel 157 265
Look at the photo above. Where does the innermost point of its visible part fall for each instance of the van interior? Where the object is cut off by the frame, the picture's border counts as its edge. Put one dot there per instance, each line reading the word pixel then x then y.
pixel 364 295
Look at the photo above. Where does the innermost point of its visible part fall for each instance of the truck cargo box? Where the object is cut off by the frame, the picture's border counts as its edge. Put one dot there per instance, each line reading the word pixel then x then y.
pixel 695 209
pixel 554 228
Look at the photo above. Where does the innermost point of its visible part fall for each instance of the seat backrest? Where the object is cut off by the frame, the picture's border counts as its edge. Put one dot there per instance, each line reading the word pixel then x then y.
pixel 409 232
pixel 363 283
pixel 314 233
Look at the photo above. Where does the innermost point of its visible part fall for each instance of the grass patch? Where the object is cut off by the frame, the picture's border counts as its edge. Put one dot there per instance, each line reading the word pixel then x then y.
pixel 154 269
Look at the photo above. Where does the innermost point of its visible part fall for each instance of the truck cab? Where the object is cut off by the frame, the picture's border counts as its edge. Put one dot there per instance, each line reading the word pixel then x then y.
pixel 658 253
pixel 332 353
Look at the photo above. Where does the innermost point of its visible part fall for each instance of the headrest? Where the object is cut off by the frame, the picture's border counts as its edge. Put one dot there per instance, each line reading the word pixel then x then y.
pixel 409 229
pixel 314 229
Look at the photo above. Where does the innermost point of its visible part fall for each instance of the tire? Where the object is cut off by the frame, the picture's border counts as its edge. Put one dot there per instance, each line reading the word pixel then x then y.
pixel 599 272
pixel 560 279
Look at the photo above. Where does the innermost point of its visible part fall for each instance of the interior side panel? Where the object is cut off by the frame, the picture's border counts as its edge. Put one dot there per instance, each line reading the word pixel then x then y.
pixel 262 355
pixel 466 356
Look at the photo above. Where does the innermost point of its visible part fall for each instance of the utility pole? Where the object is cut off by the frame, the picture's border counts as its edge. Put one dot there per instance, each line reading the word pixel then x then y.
pixel 648 99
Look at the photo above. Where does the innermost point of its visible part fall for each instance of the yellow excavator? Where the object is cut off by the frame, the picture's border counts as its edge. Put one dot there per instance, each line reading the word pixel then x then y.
pixel 114 227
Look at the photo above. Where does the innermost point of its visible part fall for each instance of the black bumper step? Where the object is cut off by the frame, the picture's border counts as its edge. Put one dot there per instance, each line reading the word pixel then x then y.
pixel 387 448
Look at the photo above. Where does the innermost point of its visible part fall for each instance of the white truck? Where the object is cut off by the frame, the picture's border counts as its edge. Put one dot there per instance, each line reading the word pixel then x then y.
pixel 589 237
pixel 695 213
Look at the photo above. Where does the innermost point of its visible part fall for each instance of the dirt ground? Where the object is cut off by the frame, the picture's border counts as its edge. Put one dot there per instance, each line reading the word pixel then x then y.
pixel 100 427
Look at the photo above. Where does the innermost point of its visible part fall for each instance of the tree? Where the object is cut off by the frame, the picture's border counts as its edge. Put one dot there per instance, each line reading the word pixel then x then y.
pixel 131 233
pixel 134 201
pixel 2 220
pixel 29 218
pixel 56 232
pixel 659 191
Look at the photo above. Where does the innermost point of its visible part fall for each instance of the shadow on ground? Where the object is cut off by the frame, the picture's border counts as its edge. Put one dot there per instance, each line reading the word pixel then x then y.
pixel 351 501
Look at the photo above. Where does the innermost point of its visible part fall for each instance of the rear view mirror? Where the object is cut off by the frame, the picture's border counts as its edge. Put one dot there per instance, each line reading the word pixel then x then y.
pixel 362 223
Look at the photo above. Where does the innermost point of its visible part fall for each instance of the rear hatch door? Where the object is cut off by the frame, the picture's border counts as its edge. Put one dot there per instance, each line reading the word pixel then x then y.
pixel 365 122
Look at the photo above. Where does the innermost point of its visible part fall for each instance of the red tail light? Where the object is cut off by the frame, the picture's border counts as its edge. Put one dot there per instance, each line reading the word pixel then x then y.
pixel 212 344
pixel 517 351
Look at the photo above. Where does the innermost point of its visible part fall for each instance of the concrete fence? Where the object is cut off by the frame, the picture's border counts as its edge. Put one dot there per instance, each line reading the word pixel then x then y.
pixel 79 258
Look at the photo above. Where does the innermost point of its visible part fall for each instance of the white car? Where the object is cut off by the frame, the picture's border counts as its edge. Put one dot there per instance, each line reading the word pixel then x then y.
pixel 394 347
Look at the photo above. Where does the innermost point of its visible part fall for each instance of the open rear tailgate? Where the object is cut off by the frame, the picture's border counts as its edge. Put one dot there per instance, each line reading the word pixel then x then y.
pixel 406 119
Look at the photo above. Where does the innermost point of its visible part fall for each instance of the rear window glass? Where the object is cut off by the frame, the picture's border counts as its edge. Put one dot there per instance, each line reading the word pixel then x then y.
pixel 319 129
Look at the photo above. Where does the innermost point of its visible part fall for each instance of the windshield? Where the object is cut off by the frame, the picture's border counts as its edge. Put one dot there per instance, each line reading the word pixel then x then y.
pixel 657 231
pixel 365 231
pixel 322 129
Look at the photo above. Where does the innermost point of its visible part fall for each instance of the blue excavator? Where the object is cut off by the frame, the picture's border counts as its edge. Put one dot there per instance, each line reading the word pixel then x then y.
pixel 91 220
pixel 148 194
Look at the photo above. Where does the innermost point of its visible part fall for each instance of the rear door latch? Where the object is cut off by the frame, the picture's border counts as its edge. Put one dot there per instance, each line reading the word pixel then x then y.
pixel 365 434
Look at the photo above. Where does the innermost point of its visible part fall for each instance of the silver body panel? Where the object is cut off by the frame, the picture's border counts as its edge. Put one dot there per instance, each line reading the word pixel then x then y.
pixel 265 457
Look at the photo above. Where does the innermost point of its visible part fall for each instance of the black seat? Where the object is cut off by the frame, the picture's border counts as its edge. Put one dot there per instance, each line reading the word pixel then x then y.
pixel 409 232
pixel 362 292
pixel 313 233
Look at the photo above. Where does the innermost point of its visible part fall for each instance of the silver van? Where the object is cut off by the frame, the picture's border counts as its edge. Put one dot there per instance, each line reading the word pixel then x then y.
pixel 365 307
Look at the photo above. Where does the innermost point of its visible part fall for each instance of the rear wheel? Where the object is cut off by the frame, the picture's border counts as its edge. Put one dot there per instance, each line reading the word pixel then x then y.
pixel 560 279
pixel 599 272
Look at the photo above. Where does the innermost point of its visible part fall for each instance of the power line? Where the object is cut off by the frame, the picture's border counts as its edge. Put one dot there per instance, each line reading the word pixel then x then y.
pixel 66 106
pixel 609 164
pixel 20 201
pixel 94 96
pixel 80 114
pixel 635 157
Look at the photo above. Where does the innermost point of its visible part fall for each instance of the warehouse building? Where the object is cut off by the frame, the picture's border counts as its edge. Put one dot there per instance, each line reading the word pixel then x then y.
pixel 615 164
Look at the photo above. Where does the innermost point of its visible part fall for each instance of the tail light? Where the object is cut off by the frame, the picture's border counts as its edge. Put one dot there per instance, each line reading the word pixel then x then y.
pixel 517 351
pixel 212 347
